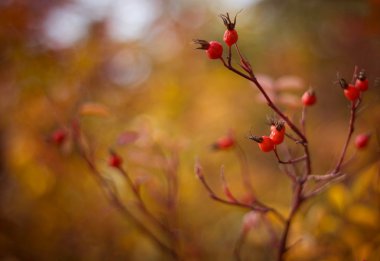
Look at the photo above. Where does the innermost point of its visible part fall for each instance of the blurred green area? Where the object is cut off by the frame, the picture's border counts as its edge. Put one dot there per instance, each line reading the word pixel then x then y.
pixel 133 64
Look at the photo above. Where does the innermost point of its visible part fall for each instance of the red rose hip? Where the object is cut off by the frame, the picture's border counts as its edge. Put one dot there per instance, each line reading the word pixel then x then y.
pixel 230 35
pixel 361 140
pixel 213 49
pixel 224 143
pixel 309 98
pixel 59 136
pixel 361 81
pixel 114 160
pixel 350 91
pixel 277 133
pixel 265 143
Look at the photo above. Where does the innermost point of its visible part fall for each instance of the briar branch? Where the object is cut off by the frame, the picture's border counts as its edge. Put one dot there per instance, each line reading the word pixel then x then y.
pixel 252 78
pixel 112 194
pixel 255 206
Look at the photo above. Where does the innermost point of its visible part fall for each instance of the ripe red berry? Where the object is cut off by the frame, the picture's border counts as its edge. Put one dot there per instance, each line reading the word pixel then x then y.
pixel 362 82
pixel 224 143
pixel 213 49
pixel 309 98
pixel 265 143
pixel 277 133
pixel 361 140
pixel 230 35
pixel 350 91
pixel 59 136
pixel 114 160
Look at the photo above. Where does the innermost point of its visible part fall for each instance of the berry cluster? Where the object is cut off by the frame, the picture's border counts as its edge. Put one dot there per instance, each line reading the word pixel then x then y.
pixel 353 91
pixel 214 49
pixel 276 137
pixel 306 184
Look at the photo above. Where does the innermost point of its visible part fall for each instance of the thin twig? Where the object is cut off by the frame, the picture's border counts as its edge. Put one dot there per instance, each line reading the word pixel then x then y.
pixel 114 199
pixel 303 120
pixel 141 203
pixel 256 206
pixel 354 106
pixel 239 244
pixel 324 186
pixel 291 161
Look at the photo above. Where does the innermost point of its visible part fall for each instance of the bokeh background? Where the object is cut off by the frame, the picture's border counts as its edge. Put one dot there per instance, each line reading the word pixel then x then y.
pixel 129 65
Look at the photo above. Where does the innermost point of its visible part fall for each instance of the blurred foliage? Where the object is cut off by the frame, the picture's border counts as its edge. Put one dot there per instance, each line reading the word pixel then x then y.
pixel 128 66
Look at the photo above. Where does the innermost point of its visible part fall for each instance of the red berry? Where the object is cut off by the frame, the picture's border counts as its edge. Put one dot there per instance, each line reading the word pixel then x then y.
pixel 114 160
pixel 224 143
pixel 265 143
pixel 277 129
pixel 361 82
pixel 362 85
pixel 213 49
pixel 230 35
pixel 361 140
pixel 308 98
pixel 59 136
pixel 350 91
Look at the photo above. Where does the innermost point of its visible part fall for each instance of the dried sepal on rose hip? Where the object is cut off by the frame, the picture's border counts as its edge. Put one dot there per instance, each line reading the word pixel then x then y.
pixel 114 160
pixel 213 49
pixel 361 140
pixel 230 36
pixel 224 143
pixel 309 98
pixel 265 143
pixel 361 81
pixel 277 131
pixel 350 91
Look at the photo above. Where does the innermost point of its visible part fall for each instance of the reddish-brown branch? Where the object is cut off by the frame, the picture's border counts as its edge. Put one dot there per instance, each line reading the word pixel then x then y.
pixel 239 244
pixel 251 77
pixel 114 199
pixel 298 194
pixel 141 204
pixel 256 206
pixel 291 161
pixel 303 120
pixel 298 199
pixel 354 106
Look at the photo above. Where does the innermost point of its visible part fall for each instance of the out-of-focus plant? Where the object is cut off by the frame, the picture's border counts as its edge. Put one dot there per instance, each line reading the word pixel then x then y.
pixel 305 183
pixel 158 225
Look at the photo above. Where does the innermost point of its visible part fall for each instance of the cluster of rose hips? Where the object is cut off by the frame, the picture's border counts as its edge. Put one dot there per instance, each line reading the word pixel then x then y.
pixel 352 91
pixel 276 137
pixel 214 49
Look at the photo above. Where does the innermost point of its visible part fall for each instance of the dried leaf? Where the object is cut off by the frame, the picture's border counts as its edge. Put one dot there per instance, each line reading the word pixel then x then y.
pixel 127 137
pixel 289 82
pixel 290 100
pixel 94 109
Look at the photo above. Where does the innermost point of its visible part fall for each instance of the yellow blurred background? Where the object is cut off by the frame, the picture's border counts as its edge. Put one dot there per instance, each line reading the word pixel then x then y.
pixel 130 65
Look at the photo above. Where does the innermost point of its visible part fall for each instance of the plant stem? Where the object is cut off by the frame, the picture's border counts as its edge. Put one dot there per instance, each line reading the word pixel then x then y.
pixel 141 204
pixel 251 77
pixel 354 106
pixel 113 198
pixel 297 201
